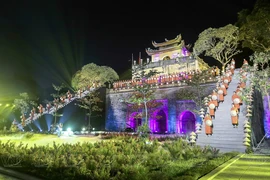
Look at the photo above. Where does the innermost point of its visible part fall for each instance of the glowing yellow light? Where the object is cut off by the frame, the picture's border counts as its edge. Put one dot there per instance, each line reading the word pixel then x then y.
pixel 7 105
pixel 0 104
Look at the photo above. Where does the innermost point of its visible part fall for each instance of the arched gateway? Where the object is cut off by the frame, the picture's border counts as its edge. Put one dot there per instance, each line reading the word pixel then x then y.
pixel 158 124
pixel 186 122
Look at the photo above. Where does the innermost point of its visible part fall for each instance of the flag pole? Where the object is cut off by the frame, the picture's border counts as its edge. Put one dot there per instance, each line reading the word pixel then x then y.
pixel 140 61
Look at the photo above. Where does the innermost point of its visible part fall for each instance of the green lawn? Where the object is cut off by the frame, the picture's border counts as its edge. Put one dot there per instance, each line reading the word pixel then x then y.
pixel 47 139
pixel 247 167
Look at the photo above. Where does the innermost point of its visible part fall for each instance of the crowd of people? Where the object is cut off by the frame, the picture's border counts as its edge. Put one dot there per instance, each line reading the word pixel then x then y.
pixel 163 79
pixel 49 107
pixel 218 95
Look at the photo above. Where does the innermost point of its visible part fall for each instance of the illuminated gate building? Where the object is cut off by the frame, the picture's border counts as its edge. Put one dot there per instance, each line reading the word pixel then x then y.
pixel 174 62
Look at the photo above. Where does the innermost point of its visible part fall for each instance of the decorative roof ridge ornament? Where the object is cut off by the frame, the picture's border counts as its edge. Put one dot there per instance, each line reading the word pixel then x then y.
pixel 167 42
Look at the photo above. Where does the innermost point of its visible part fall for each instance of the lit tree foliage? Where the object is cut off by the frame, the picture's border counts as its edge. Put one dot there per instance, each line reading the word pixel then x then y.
pixel 93 74
pixel 221 44
pixel 254 27
pixel 56 97
pixel 143 94
pixel 23 104
pixel 58 90
pixel 91 102
pixel 261 75
pixel 195 90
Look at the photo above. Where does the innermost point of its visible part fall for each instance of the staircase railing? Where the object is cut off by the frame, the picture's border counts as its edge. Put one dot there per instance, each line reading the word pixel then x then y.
pixel 30 120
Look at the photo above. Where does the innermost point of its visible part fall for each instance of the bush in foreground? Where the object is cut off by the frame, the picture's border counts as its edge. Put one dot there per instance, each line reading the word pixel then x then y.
pixel 126 158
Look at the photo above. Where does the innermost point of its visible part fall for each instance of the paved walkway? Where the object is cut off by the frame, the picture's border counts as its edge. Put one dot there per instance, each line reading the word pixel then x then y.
pixel 242 167
pixel 8 174
pixel 4 177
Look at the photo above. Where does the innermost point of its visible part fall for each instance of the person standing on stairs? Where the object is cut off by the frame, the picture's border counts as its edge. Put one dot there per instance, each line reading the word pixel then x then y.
pixel 225 80
pixel 236 100
pixel 214 97
pixel 23 119
pixel 224 89
pixel 242 84
pixel 229 75
pixel 220 94
pixel 48 106
pixel 238 91
pixel 40 108
pixel 232 66
pixel 208 125
pixel 211 105
pixel 234 116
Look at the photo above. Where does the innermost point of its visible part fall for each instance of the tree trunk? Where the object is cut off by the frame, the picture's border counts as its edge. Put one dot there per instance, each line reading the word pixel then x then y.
pixel 223 68
pixel 145 107
pixel 55 117
pixel 89 121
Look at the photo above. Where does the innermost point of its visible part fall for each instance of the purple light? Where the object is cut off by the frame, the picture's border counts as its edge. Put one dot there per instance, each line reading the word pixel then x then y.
pixel 159 119
pixel 267 118
pixel 186 122
pixel 134 121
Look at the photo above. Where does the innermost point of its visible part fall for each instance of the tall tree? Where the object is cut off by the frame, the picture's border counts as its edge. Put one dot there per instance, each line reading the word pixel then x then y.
pixel 143 94
pixel 57 101
pixel 93 75
pixel 261 75
pixel 219 43
pixel 91 102
pixel 254 27
pixel 23 104
pixel 196 89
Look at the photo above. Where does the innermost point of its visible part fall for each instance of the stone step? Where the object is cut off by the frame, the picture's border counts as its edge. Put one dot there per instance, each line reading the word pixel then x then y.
pixel 221 144
pixel 225 137
pixel 224 149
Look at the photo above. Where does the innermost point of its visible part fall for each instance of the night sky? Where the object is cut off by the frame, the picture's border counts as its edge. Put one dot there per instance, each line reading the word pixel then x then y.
pixel 47 41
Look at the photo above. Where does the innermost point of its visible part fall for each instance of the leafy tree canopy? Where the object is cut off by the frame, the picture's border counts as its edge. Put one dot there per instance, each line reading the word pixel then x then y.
pixel 254 27
pixel 23 104
pixel 92 73
pixel 219 43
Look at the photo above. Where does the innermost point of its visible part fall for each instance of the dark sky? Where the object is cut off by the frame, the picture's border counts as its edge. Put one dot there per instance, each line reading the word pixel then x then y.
pixel 47 41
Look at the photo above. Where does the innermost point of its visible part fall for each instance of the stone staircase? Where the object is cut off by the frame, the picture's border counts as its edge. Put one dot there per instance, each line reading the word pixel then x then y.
pixel 225 137
pixel 53 109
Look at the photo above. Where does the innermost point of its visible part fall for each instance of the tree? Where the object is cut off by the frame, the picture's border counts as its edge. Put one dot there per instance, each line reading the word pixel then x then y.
pixel 23 104
pixel 143 94
pixel 221 44
pixel 261 75
pixel 93 75
pixel 195 90
pixel 91 103
pixel 57 101
pixel 254 27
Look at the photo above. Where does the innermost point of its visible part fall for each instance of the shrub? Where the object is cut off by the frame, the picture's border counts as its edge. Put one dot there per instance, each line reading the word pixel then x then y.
pixel 123 158
pixel 28 135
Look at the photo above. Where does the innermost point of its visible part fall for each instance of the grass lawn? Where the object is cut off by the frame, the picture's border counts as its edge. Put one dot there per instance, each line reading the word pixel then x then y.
pixel 248 167
pixel 47 139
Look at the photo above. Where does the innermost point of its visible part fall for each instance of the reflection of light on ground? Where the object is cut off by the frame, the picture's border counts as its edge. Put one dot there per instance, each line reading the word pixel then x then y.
pixel 67 133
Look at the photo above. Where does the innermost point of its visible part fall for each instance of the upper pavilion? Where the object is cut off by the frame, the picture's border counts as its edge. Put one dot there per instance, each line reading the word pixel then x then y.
pixel 169 49
pixel 170 56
